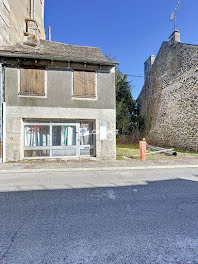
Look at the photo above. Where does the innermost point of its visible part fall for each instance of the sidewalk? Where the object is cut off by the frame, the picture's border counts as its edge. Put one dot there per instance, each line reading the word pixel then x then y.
pixel 63 165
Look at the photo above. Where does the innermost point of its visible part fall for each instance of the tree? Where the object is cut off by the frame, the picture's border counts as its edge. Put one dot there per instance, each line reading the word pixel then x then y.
pixel 125 105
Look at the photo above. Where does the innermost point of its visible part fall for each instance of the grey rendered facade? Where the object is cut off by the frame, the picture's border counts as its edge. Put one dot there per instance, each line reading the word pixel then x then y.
pixel 58 106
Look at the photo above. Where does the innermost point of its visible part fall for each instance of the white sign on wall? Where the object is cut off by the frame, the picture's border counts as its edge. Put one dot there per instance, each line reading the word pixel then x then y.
pixel 103 131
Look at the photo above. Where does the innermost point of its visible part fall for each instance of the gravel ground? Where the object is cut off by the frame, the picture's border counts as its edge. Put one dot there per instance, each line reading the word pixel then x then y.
pixel 57 164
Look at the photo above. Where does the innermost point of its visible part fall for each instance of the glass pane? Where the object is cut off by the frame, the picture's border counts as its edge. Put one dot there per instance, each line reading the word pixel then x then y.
pixel 64 135
pixel 87 152
pixel 86 135
pixel 37 135
pixel 37 153
pixel 68 151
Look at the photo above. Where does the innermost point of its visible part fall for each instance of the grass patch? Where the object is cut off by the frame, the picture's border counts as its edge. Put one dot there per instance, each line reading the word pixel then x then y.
pixel 129 150
pixel 186 152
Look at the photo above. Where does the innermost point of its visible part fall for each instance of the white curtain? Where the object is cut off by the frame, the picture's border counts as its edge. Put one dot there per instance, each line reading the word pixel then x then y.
pixel 64 136
pixel 68 135
pixel 36 138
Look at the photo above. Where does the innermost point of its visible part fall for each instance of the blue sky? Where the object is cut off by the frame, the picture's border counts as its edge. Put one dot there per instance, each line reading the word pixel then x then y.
pixel 130 30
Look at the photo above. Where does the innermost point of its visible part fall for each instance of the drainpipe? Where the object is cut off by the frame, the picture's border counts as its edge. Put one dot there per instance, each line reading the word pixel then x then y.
pixel 32 5
pixel 2 114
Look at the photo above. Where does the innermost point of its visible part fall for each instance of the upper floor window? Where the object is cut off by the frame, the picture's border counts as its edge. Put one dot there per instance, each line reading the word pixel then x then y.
pixel 84 84
pixel 32 82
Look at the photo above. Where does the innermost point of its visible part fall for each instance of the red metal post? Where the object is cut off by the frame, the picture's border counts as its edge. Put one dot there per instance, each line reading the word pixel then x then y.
pixel 142 145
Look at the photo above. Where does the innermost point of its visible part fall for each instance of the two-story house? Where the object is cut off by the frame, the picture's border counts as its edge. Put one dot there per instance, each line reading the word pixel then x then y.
pixel 58 102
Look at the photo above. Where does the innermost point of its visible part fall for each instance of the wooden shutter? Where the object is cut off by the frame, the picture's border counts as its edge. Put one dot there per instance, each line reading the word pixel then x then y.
pixel 32 82
pixel 79 83
pixel 84 84
pixel 91 83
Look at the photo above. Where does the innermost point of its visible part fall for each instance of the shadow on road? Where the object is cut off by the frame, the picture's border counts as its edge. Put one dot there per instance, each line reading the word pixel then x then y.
pixel 153 223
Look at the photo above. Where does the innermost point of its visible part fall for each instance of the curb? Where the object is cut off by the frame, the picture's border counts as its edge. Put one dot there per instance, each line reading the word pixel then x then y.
pixel 8 171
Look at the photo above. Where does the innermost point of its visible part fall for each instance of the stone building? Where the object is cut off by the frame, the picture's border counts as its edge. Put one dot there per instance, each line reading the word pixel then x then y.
pixel 168 101
pixel 58 102
pixel 16 16
pixel 20 20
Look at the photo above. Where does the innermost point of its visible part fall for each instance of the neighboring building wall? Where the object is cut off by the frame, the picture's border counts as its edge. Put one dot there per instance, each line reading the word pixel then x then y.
pixel 59 105
pixel 12 19
pixel 169 98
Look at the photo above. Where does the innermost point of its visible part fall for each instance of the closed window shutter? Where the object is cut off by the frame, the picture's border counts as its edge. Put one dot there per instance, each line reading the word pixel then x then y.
pixel 84 84
pixel 91 81
pixel 32 82
pixel 24 82
pixel 79 83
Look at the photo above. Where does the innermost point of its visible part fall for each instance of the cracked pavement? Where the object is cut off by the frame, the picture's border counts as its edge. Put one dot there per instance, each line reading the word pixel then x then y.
pixel 145 216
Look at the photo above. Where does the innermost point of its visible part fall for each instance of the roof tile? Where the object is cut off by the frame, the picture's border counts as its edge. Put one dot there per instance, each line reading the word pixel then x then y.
pixel 58 49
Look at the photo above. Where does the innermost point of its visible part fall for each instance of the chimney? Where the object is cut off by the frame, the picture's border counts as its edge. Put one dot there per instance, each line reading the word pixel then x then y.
pixel 174 37
pixel 32 34
pixel 49 33
pixel 148 65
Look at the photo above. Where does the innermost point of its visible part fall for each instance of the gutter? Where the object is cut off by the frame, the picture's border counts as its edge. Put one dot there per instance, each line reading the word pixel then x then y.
pixel 55 58
pixel 2 114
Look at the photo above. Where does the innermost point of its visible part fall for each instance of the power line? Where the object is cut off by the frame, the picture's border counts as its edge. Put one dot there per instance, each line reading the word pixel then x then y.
pixel 133 75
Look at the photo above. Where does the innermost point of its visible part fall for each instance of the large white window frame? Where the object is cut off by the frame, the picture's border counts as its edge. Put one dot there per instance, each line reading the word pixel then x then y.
pixel 78 146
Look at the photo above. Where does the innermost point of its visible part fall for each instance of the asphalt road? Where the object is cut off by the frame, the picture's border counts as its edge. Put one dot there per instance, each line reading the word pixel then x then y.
pixel 156 222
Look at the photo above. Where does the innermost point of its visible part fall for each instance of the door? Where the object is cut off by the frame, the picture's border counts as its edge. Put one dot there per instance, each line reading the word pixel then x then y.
pixel 87 138
pixel 64 140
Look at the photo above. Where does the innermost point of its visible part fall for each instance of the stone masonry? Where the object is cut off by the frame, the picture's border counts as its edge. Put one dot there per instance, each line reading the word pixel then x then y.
pixel 13 14
pixel 168 101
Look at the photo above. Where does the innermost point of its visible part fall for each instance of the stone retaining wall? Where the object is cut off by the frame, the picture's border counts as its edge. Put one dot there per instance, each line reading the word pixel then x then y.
pixel 169 98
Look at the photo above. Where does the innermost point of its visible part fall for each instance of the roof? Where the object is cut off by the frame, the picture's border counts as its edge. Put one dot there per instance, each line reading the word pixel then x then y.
pixel 57 51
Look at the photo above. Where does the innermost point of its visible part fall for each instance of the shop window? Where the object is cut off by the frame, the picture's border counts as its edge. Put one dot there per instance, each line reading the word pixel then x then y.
pixel 84 84
pixel 63 135
pixel 32 82
pixel 59 139
pixel 38 135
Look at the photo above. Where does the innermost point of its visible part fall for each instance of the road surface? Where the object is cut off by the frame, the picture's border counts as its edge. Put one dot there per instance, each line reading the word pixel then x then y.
pixel 137 217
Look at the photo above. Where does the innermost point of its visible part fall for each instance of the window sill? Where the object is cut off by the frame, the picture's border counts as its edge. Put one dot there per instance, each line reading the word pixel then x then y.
pixel 94 98
pixel 33 96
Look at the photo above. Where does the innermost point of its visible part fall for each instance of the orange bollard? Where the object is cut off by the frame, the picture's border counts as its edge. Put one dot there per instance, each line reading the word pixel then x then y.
pixel 142 145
